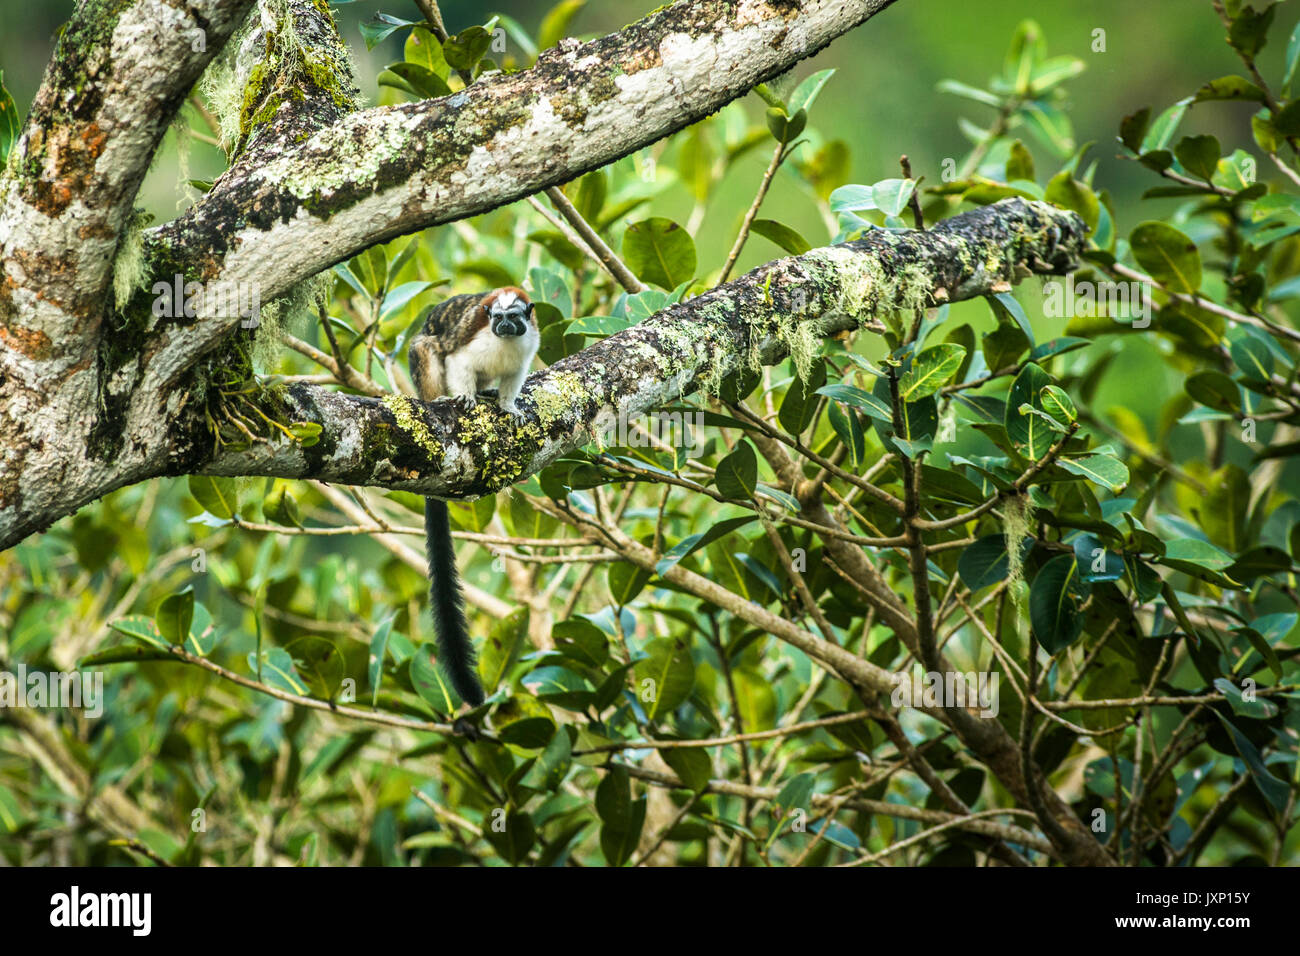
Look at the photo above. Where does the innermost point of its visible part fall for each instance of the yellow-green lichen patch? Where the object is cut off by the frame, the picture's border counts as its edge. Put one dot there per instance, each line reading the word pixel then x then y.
pixel 501 447
pixel 562 393
pixel 404 414
pixel 353 159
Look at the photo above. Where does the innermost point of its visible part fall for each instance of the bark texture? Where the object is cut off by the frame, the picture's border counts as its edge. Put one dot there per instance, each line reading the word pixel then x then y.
pixel 98 391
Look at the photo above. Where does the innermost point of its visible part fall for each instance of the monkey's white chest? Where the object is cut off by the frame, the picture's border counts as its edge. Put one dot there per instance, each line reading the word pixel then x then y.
pixel 493 357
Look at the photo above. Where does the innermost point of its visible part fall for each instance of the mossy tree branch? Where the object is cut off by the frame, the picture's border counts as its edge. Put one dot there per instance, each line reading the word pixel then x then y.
pixel 438 448
pixel 120 72
pixel 100 392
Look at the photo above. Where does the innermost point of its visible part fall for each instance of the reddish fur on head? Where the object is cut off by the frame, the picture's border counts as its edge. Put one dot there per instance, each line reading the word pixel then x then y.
pixel 495 294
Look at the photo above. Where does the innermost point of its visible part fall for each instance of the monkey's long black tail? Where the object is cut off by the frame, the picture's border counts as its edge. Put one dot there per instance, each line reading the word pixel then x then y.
pixel 455 651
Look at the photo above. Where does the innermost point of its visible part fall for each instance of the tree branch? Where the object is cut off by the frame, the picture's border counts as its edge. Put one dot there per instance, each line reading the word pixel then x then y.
pixel 436 448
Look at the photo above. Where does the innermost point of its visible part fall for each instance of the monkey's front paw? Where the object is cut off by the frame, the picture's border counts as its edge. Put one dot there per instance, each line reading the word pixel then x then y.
pixel 513 410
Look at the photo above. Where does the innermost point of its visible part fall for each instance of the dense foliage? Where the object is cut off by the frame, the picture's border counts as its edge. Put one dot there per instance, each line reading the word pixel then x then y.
pixel 1118 578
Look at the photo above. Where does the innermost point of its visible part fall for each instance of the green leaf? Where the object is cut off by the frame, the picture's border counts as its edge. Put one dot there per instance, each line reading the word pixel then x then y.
pixel 1095 562
pixel 986 561
pixel 1007 309
pixel 502 647
pixel 307 433
pixel 665 677
pixel 10 124
pixel 174 614
pixel 1133 128
pixel 1069 193
pixel 423 49
pixel 781 234
pixel 525 722
pixel 1051 125
pixel 144 630
pixel 849 431
pixel 1028 49
pixel 319 663
pixel 852 198
pixel 378 651
pixel 202 636
pixel 280 506
pixel 1058 404
pixel 1274 790
pixel 430 683
pixel 1257 709
pixel 11 814
pixel 1195 552
pixel 691 764
pixel 785 127
pixel 278 671
pixel 218 496
pixel 560 686
pixel 1020 164
pixel 553 765
pixel 599 325
pixel 1199 155
pixel 1237 172
pixel 580 640
pixel 799 404
pixel 1110 473
pixel 1251 352
pixel 1292 56
pixel 660 252
pixel 626 581
pixel 379 27
pixel 516 839
pixel 621 817
pixel 1053 608
pixel 1168 255
pixel 930 371
pixel 1214 389
pixel 1163 129
pixel 555 25
pixel 806 92
pixel 737 474
pixel 465 49
pixel 425 82
pixel 124 654
pixel 869 404
pixel 1249 30
pixel 891 196
pixel 694 542
pixel 1028 432
pixel 1229 88
pixel 970 93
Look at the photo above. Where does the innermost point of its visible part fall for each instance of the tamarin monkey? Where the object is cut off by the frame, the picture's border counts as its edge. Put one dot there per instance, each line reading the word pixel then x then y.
pixel 467 344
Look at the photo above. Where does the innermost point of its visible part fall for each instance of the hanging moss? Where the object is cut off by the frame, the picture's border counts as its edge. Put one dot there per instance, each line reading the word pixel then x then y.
pixel 130 272
pixel 1015 526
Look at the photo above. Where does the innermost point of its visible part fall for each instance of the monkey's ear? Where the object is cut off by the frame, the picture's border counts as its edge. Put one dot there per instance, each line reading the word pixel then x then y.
pixel 529 310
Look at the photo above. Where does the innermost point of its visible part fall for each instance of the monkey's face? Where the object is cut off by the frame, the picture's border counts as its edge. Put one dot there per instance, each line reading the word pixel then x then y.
pixel 509 316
